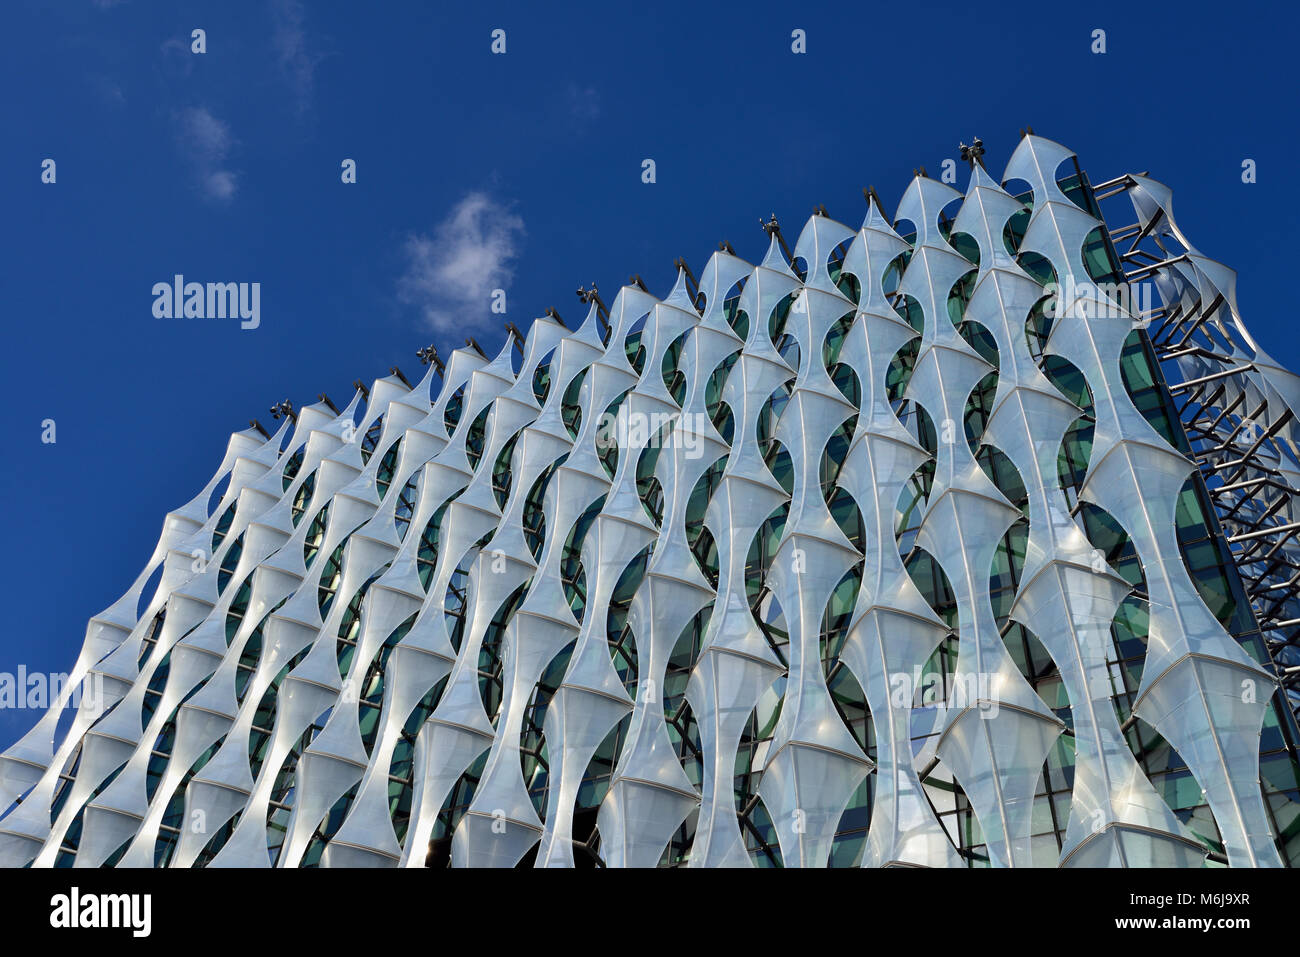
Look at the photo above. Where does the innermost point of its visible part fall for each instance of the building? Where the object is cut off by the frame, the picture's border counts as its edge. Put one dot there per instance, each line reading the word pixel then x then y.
pixel 895 548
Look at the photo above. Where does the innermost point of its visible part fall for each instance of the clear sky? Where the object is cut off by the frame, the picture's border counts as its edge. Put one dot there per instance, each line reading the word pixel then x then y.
pixel 521 171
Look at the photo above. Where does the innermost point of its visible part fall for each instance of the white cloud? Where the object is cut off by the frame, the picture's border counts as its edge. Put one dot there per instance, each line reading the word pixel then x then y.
pixel 450 274
pixel 206 142
pixel 209 136
pixel 290 41
pixel 584 103
pixel 108 90
pixel 220 185
pixel 177 59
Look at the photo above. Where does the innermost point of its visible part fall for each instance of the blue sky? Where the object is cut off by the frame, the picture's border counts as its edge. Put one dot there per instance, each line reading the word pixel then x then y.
pixel 225 166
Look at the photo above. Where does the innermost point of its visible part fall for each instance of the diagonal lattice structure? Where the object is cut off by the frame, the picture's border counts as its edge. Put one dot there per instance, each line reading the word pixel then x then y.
pixel 892 549
pixel 1238 407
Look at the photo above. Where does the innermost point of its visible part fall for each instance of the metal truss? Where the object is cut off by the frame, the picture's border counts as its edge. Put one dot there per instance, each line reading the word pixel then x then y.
pixel 1237 405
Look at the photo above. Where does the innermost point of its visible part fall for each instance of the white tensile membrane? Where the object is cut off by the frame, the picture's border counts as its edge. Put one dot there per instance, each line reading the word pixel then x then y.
pixel 210 676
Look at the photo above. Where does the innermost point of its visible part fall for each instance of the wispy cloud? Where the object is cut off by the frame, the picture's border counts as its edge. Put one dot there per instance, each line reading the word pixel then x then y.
pixel 450 273
pixel 108 90
pixel 205 141
pixel 584 103
pixel 289 38
pixel 177 57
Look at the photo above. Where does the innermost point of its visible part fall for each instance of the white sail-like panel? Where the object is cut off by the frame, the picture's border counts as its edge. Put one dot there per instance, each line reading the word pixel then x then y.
pixel 797 564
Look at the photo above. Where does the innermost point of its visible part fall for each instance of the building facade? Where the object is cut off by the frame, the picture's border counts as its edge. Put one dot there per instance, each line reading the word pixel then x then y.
pixel 962 538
